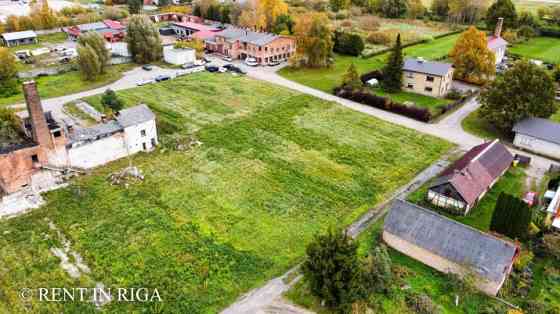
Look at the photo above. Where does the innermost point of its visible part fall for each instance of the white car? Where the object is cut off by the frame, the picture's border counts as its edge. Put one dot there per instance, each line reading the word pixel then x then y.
pixel 251 62
pixel 199 62
pixel 222 70
pixel 145 82
pixel 227 58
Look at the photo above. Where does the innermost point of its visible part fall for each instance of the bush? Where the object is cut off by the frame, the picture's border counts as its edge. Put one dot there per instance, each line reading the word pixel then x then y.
pixel 348 44
pixel 421 304
pixel 369 23
pixel 379 38
pixel 454 94
pixel 526 31
pixel 111 101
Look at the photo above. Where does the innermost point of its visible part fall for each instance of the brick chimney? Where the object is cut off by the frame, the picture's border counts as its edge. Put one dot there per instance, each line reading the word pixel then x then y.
pixel 40 129
pixel 498 30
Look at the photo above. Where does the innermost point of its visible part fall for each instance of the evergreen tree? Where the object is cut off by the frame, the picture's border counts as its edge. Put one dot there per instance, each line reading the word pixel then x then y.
pixel 111 101
pixel 504 9
pixel 332 270
pixel 394 8
pixel 135 6
pixel 392 72
pixel 511 217
pixel 143 40
pixel 351 79
pixel 377 270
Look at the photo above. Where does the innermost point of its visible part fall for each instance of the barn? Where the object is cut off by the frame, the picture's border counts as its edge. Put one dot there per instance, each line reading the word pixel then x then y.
pixel 538 135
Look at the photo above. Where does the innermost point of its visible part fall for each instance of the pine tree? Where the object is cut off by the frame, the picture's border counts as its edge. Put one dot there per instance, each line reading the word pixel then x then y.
pixel 392 72
pixel 511 217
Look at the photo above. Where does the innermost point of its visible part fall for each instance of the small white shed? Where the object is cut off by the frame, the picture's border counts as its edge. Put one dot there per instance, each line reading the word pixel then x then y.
pixel 178 56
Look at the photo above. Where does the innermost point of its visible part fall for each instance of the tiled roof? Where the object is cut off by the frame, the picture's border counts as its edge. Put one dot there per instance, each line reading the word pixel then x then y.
pixel 19 35
pixel 471 175
pixel 487 255
pixel 542 129
pixel 428 67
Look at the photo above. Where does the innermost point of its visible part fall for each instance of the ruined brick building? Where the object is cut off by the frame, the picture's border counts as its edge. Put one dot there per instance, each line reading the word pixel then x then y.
pixel 49 148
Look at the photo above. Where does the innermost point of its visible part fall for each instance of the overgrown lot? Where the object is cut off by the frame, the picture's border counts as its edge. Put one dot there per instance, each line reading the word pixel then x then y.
pixel 210 223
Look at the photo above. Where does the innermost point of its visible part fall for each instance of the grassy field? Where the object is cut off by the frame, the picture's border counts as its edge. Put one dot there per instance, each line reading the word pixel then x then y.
pixel 326 79
pixel 419 100
pixel 54 38
pixel 69 83
pixel 210 223
pixel 540 48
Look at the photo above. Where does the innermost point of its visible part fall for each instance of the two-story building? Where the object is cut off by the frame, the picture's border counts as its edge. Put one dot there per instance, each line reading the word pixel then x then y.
pixel 496 43
pixel 241 43
pixel 427 77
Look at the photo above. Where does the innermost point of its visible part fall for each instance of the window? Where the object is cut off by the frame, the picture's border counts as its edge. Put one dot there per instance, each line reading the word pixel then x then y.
pixel 429 78
pixel 144 146
pixel 154 142
pixel 57 134
pixel 409 75
pixel 428 89
pixel 410 86
pixel 143 133
pixel 34 158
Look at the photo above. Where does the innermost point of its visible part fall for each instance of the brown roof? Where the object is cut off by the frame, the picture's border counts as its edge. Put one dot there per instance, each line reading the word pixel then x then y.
pixel 471 175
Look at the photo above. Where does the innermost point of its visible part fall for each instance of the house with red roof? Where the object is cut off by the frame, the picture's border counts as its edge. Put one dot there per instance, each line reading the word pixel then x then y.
pixel 465 182
pixel 496 43
pixel 112 31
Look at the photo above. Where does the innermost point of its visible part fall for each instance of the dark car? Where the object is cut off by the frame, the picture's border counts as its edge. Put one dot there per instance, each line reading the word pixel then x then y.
pixel 147 67
pixel 161 78
pixel 206 60
pixel 274 63
pixel 212 68
pixel 232 68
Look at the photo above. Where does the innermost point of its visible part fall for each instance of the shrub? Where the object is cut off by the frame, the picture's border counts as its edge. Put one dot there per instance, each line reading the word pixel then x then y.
pixel 421 304
pixel 453 94
pixel 111 101
pixel 348 44
pixel 551 245
pixel 379 38
pixel 526 31
pixel 369 23
pixel 511 217
pixel 346 23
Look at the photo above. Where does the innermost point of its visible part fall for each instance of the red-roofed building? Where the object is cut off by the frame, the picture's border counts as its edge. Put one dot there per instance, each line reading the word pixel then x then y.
pixel 112 31
pixel 464 183
pixel 496 43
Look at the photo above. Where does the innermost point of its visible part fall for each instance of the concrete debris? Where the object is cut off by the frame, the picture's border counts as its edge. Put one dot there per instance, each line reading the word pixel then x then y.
pixel 126 176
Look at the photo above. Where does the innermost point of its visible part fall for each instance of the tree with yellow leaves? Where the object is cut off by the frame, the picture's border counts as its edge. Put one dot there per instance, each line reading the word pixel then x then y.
pixel 474 62
pixel 314 39
pixel 42 16
pixel 261 15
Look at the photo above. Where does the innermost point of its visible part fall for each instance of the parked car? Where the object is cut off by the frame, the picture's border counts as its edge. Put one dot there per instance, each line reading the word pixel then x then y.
pixel 232 68
pixel 206 60
pixel 251 62
pixel 212 68
pixel 188 66
pixel 145 82
pixel 199 62
pixel 274 63
pixel 222 70
pixel 161 78
pixel 227 58
pixel 147 67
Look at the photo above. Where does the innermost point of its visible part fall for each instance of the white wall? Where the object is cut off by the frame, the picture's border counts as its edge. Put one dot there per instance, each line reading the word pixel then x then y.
pixel 537 145
pixel 97 153
pixel 178 56
pixel 135 139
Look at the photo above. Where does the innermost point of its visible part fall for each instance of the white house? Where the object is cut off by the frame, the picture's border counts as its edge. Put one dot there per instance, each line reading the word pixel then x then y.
pixel 496 43
pixel 133 130
pixel 178 56
pixel 538 135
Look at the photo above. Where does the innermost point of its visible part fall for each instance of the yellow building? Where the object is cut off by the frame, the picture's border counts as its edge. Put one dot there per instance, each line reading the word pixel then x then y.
pixel 427 77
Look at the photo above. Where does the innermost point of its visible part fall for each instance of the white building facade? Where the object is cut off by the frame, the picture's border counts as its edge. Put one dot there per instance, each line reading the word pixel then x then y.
pixel 178 56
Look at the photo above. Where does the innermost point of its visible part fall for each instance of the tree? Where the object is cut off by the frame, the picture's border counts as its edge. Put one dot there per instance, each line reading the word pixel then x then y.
pixel 348 43
pixel 525 90
pixel 89 63
pixel 135 6
pixel 377 270
pixel 270 10
pixel 466 11
pixel 394 8
pixel 332 269
pixel 284 24
pixel 440 8
pixel 416 9
pixel 111 101
pixel 551 245
pixel 213 13
pixel 474 62
pixel 528 19
pixel 42 16
pixel 392 72
pixel 143 40
pixel 337 5
pixel 351 78
pixel 511 217
pixel 504 9
pixel 8 73
pixel 195 43
pixel 314 39
pixel 97 42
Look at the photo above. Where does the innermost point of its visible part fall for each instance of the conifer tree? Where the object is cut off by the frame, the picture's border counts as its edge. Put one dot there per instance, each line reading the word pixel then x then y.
pixel 392 72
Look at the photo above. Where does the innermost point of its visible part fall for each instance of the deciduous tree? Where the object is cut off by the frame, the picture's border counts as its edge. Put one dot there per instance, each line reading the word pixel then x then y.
pixel 195 43
pixel 89 63
pixel 314 39
pixel 143 40
pixel 8 73
pixel 440 8
pixel 504 9
pixel 474 62
pixel 416 9
pixel 525 90
pixel 97 42
pixel 392 72
pixel 393 8
pixel 337 5
pixel 111 101
pixel 466 11
pixel 348 43
pixel 135 6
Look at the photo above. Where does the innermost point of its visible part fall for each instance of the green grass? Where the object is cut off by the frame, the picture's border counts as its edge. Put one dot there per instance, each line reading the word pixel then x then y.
pixel 326 79
pixel 513 182
pixel 419 100
pixel 209 224
pixel 69 83
pixel 54 38
pixel 540 48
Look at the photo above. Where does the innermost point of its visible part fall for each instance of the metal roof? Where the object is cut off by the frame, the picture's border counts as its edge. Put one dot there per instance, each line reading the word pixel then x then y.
pixel 428 67
pixel 19 35
pixel 243 35
pixel 485 254
pixel 97 131
pixel 92 26
pixel 135 115
pixel 542 129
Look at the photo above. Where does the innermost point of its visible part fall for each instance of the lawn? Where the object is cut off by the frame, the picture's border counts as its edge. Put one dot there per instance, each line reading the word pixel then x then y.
pixel 69 83
pixel 210 223
pixel 419 100
pixel 326 79
pixel 54 38
pixel 540 48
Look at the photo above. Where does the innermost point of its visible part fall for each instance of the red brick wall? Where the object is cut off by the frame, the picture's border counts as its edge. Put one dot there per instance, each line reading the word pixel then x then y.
pixel 16 168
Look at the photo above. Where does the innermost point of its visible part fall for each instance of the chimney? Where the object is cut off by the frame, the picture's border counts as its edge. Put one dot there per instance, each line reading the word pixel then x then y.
pixel 40 129
pixel 498 30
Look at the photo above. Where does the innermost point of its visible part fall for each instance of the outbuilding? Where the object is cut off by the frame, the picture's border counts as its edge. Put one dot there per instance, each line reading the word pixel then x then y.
pixel 449 246
pixel 19 38
pixel 538 135
pixel 178 56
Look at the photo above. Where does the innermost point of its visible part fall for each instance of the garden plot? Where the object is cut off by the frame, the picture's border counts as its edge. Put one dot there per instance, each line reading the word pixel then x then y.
pixel 210 223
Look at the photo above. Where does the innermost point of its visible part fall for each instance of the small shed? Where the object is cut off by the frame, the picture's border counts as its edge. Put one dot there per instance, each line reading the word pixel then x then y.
pixel 19 38
pixel 178 56
pixel 538 135
pixel 449 246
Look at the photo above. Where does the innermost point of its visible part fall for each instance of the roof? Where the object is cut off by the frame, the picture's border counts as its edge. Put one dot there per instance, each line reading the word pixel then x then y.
pixel 428 67
pixel 542 129
pixel 19 35
pixel 116 25
pixel 496 42
pixel 487 255
pixel 195 26
pixel 243 35
pixel 203 35
pixel 135 115
pixel 91 26
pixel 473 173
pixel 94 132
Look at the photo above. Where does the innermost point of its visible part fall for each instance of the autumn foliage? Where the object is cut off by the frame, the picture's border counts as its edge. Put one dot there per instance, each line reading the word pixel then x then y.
pixel 474 62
